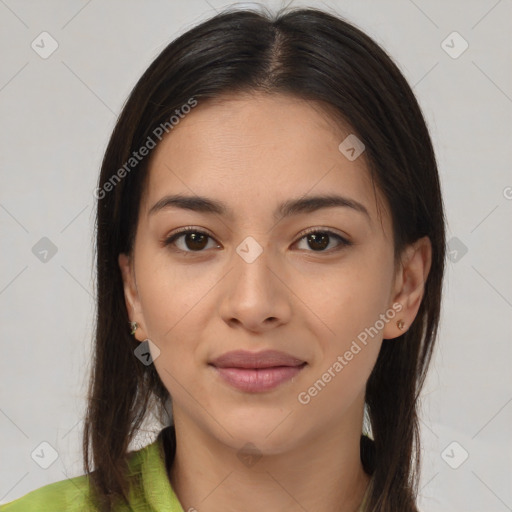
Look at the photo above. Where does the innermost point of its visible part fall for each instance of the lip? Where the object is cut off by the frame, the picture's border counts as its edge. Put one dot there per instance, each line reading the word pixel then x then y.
pixel 257 371
pixel 263 359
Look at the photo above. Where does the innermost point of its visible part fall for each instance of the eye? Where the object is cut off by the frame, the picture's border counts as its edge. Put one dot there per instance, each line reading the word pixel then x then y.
pixel 189 240
pixel 320 239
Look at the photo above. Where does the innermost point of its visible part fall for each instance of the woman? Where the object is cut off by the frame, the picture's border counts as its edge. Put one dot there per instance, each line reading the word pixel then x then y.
pixel 270 254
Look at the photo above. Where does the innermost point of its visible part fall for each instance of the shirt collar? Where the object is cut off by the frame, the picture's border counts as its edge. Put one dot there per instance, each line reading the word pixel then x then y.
pixel 158 491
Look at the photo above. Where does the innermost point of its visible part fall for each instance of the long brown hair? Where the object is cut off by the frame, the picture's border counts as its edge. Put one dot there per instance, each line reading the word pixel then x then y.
pixel 313 55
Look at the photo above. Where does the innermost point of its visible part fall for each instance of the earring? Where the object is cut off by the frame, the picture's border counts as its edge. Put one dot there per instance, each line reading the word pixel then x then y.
pixel 133 327
pixel 400 324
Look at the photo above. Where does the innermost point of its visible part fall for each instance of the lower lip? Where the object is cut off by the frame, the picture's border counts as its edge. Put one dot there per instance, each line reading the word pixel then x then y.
pixel 257 380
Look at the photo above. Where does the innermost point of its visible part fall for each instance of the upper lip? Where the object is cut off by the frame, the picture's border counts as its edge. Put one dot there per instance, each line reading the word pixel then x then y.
pixel 264 359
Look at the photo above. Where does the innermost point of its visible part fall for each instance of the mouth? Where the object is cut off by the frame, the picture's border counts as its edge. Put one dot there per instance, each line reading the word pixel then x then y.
pixel 257 372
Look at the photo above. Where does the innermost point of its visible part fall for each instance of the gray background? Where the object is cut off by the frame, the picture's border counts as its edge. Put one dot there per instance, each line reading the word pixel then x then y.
pixel 56 117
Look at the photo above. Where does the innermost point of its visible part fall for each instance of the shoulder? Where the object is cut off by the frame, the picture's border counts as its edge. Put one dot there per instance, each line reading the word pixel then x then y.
pixel 66 495
pixel 71 494
pixel 146 470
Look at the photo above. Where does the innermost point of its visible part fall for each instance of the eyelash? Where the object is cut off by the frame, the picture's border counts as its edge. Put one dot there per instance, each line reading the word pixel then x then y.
pixel 190 229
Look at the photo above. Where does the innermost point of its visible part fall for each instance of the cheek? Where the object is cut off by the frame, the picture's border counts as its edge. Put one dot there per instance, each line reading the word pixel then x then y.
pixel 169 296
pixel 171 300
pixel 350 305
pixel 177 309
pixel 352 298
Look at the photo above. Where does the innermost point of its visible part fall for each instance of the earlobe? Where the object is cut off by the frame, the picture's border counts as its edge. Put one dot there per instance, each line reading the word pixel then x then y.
pixel 410 285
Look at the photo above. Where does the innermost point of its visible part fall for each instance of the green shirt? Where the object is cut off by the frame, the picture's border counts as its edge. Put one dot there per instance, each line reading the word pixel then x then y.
pixel 153 493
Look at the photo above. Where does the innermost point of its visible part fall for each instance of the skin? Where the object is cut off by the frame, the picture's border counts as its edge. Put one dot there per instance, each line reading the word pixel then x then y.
pixel 253 152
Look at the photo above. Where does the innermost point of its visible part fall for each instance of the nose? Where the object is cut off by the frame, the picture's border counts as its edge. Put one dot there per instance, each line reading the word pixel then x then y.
pixel 254 294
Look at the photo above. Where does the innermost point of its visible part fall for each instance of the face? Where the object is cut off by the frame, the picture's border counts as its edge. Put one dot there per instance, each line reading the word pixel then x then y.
pixel 254 275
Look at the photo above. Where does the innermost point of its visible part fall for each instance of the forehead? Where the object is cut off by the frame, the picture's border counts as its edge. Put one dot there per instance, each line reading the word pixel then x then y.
pixel 257 150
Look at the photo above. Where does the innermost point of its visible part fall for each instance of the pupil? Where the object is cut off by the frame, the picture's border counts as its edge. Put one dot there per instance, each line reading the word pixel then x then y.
pixel 195 241
pixel 318 241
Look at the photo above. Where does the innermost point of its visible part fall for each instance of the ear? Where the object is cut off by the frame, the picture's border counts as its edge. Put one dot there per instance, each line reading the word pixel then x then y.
pixel 409 286
pixel 131 295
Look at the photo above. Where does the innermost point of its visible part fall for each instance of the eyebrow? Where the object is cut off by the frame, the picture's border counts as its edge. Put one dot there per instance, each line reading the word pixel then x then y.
pixel 291 207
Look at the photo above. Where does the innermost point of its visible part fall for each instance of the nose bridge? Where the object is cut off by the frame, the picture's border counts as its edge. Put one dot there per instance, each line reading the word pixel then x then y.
pixel 252 268
pixel 254 293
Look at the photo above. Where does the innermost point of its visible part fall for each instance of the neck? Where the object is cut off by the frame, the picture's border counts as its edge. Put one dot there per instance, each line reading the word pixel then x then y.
pixel 323 473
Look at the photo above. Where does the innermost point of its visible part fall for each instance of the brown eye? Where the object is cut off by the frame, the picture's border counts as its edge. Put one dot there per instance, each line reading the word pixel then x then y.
pixel 195 241
pixel 318 240
pixel 190 240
